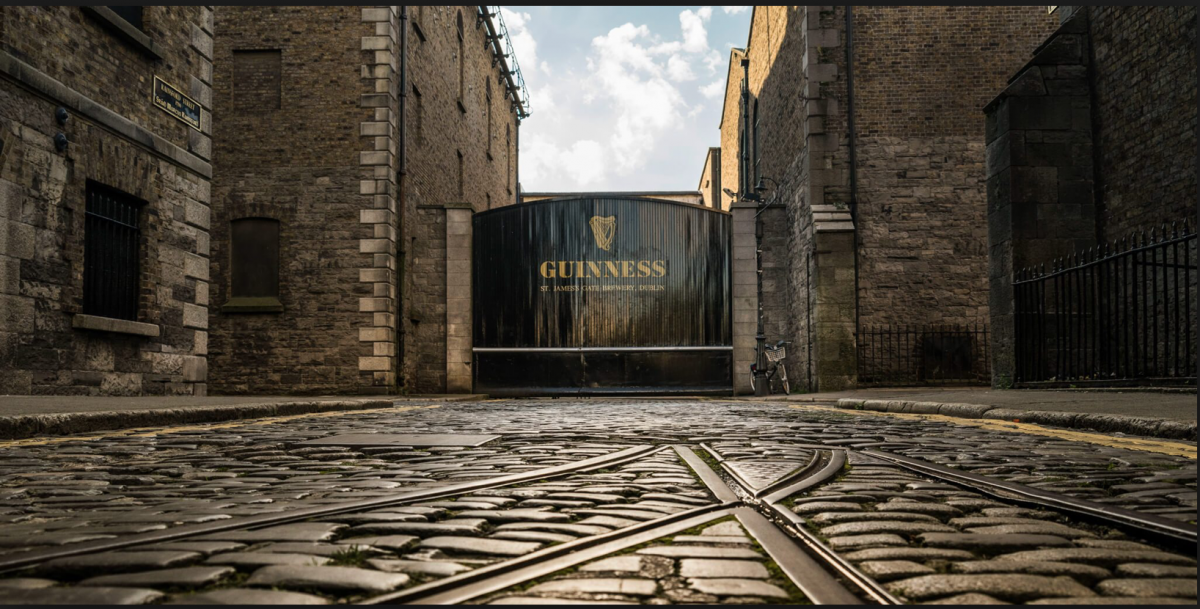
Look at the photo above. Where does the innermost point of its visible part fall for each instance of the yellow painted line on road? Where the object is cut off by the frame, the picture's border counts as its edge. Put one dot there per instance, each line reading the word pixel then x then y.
pixel 142 432
pixel 1175 449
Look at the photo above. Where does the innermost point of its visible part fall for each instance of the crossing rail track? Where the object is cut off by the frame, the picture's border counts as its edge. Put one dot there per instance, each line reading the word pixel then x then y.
pixel 493 539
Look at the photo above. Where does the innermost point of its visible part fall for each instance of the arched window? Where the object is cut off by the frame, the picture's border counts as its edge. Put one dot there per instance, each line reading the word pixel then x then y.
pixel 254 264
pixel 488 97
pixel 461 60
pixel 757 148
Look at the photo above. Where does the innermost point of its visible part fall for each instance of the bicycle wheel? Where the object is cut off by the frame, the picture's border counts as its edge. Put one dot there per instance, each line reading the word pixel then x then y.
pixel 751 381
pixel 787 390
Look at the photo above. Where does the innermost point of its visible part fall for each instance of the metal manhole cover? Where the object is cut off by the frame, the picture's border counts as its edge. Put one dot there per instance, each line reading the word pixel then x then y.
pixel 401 439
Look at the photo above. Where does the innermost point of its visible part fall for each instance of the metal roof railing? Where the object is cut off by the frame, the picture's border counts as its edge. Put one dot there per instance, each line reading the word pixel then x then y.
pixel 503 54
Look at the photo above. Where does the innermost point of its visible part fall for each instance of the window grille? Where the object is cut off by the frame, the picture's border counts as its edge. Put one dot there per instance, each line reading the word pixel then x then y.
pixel 112 253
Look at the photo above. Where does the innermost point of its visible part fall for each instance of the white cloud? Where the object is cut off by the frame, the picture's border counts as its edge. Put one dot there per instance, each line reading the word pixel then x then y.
pixel 695 37
pixel 679 70
pixel 713 61
pixel 523 43
pixel 543 161
pixel 607 120
pixel 713 90
pixel 734 10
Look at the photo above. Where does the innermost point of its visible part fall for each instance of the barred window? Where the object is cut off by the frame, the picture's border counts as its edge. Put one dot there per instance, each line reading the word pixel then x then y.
pixel 112 253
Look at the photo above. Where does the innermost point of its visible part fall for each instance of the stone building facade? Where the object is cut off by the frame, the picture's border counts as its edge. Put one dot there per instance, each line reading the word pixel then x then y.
pixel 355 142
pixel 1092 141
pixel 710 179
pixel 875 167
pixel 104 199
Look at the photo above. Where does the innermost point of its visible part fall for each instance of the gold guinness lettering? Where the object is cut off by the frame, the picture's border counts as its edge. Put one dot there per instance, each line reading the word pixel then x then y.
pixel 617 269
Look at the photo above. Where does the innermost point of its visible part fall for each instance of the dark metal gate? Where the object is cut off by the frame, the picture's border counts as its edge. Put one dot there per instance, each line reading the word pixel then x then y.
pixel 596 295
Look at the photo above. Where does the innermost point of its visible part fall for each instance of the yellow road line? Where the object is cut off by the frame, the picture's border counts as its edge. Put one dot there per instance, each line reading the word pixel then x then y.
pixel 142 432
pixel 1175 449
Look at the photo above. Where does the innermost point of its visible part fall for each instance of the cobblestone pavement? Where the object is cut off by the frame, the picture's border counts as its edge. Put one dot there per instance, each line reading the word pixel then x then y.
pixel 163 513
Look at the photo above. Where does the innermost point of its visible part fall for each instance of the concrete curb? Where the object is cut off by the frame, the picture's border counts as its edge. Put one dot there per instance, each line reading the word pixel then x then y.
pixel 1112 423
pixel 59 424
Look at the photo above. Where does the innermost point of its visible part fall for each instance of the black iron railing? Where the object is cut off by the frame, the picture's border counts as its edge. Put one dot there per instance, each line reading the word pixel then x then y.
pixel 1116 314
pixel 923 355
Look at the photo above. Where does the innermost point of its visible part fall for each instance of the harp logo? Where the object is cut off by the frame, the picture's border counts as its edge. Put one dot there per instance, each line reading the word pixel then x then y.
pixel 603 230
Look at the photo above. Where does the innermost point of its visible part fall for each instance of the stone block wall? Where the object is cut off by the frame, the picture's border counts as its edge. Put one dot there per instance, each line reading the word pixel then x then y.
pixel 455 155
pixel 425 347
pixel 363 280
pixel 745 295
pixel 459 320
pixel 300 162
pixel 1143 77
pixel 1093 140
pixel 921 74
pixel 1041 204
pixel 71 57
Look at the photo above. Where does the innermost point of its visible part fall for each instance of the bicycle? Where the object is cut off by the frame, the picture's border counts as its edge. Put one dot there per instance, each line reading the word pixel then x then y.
pixel 775 366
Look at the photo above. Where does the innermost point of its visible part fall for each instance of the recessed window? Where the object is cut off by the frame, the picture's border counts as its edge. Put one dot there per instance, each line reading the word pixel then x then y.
pixel 257 80
pixel 417 22
pixel 461 62
pixel 254 265
pixel 461 183
pixel 419 119
pixel 112 253
pixel 488 96
pixel 757 148
pixel 131 14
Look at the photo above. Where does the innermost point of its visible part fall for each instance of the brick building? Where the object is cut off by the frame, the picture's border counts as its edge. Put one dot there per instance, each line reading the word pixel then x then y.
pixel 104 199
pixel 862 129
pixel 1092 142
pixel 353 143
pixel 710 179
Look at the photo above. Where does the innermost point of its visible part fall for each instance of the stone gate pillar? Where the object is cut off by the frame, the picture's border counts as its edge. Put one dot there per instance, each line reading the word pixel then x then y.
pixel 745 295
pixel 458 298
pixel 1041 204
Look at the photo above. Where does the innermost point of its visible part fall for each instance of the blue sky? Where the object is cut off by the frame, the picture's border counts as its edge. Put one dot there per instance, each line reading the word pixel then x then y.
pixel 622 98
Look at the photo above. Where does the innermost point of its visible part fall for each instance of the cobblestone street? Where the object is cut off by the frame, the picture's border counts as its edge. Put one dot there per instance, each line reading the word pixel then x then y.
pixel 626 501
